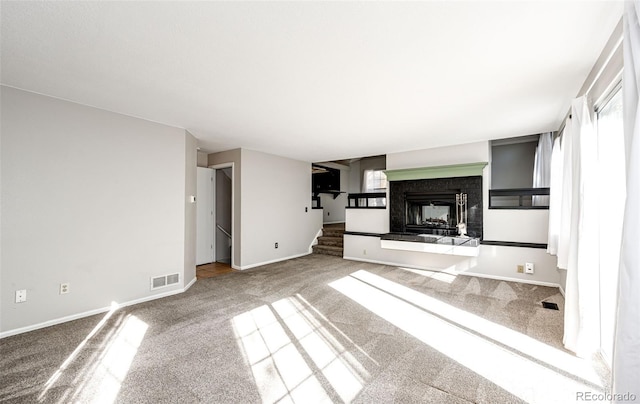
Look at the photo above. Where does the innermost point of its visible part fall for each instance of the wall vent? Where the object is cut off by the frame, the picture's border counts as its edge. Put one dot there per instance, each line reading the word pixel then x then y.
pixel 174 278
pixel 164 280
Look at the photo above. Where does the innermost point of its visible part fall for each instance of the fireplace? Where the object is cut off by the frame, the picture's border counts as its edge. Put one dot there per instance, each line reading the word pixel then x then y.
pixel 429 206
pixel 431 213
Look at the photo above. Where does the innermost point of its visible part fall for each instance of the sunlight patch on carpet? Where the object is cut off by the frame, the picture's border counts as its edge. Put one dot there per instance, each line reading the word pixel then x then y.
pixel 289 346
pixel 343 371
pixel 521 342
pixel 279 370
pixel 105 369
pixel 448 330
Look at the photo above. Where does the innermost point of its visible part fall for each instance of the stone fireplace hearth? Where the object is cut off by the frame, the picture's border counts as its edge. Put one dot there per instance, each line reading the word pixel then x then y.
pixel 427 206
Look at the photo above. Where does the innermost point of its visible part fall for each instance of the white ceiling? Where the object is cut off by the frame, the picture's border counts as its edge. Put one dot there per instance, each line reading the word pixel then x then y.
pixel 314 81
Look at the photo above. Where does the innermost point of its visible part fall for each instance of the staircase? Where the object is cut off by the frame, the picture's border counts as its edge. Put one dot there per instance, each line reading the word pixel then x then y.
pixel 332 240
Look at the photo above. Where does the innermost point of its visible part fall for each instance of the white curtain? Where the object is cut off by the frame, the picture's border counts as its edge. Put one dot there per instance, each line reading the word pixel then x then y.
pixel 581 319
pixel 555 195
pixel 626 355
pixel 566 197
pixel 542 168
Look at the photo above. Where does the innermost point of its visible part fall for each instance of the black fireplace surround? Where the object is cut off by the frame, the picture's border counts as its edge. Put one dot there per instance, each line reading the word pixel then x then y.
pixel 429 206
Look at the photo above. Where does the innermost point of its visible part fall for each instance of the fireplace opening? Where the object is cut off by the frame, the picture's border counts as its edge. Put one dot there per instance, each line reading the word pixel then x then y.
pixel 431 213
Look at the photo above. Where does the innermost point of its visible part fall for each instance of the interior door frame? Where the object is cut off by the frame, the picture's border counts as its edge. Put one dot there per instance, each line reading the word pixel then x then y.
pixel 200 195
pixel 215 168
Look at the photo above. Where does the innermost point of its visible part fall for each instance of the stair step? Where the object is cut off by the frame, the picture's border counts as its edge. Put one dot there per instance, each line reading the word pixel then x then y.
pixel 332 232
pixel 328 250
pixel 332 241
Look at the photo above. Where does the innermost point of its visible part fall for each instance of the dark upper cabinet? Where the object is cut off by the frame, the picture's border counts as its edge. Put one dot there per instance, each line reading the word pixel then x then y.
pixel 328 180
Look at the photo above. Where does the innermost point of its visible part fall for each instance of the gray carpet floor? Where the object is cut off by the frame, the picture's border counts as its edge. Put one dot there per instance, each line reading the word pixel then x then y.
pixel 312 329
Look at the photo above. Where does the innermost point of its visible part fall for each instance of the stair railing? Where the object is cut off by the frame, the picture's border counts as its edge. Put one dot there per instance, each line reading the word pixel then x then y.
pixel 226 233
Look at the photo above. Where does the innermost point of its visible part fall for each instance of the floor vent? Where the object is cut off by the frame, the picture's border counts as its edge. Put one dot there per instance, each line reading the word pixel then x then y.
pixel 165 280
pixel 550 306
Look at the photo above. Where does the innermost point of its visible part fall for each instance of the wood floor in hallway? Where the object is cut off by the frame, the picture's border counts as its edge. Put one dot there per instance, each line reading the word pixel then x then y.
pixel 213 269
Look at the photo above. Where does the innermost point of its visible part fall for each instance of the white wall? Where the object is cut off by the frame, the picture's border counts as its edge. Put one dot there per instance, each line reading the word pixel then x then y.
pixel 439 156
pixel 367 220
pixel 496 262
pixel 333 209
pixel 190 210
pixel 367 248
pixel 525 226
pixel 275 193
pixel 89 197
pixel 500 262
pixel 563 279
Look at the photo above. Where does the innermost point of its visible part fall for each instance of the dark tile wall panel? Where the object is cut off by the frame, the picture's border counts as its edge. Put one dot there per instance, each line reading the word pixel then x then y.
pixel 472 186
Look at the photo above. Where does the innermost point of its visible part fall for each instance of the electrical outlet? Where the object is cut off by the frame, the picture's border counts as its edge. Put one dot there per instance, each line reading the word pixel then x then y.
pixel 528 268
pixel 520 269
pixel 21 296
pixel 65 288
pixel 276 245
pixel 306 209
pixel 364 252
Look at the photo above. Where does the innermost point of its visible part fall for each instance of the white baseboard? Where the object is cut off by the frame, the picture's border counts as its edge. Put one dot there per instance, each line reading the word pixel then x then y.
pixel 315 240
pixel 339 221
pixel 190 284
pixel 561 290
pixel 509 279
pixel 88 313
pixel 259 264
pixel 476 274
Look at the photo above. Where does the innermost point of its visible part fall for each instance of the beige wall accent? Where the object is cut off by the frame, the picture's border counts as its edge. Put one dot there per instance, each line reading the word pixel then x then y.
pixel 203 159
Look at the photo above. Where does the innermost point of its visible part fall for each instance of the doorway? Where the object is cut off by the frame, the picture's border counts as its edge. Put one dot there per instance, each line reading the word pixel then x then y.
pixel 215 224
pixel 223 230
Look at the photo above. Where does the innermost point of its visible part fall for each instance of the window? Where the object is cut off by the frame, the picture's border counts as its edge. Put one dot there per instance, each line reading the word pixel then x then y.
pixel 611 168
pixel 374 181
